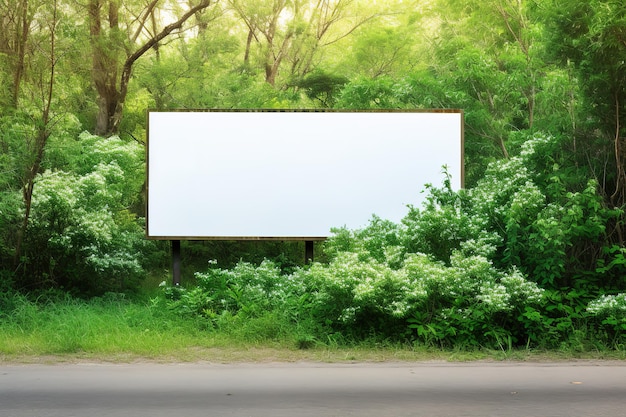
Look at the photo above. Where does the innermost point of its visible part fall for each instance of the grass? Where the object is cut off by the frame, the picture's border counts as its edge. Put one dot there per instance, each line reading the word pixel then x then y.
pixel 113 329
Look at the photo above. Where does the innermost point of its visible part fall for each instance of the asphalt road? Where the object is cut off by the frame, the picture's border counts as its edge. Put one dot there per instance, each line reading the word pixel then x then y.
pixel 280 390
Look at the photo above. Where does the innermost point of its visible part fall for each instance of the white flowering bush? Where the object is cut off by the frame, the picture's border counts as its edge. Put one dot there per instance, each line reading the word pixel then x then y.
pixel 546 222
pixel 609 312
pixel 354 290
pixel 469 303
pixel 609 305
pixel 82 235
pixel 445 224
pixel 528 216
pixel 377 240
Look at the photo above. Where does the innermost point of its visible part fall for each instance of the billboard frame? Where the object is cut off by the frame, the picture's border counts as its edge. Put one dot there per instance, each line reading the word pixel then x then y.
pixel 306 238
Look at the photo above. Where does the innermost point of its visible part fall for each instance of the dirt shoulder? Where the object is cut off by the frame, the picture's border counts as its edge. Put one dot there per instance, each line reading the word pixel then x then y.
pixel 343 356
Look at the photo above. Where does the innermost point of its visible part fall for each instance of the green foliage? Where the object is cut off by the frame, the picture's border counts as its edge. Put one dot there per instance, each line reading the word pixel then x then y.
pixel 471 304
pixel 547 225
pixel 366 93
pixel 362 297
pixel 357 295
pixel 376 240
pixel 446 305
pixel 589 34
pixel 15 159
pixel 323 87
pixel 614 263
pixel 444 224
pixel 10 210
pixel 383 50
pixel 529 214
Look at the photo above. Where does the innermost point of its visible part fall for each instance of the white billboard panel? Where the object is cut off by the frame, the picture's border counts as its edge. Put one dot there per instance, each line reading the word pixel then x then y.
pixel 292 174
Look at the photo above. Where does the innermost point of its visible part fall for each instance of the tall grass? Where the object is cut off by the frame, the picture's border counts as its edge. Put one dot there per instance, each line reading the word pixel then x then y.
pixel 105 326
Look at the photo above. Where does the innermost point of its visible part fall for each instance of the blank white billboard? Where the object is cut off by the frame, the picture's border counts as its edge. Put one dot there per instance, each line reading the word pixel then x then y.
pixel 292 174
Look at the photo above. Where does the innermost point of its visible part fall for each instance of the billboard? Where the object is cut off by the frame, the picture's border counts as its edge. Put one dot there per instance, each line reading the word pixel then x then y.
pixel 292 175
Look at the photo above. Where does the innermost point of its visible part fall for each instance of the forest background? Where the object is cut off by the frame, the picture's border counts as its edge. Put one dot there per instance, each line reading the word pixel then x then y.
pixel 531 253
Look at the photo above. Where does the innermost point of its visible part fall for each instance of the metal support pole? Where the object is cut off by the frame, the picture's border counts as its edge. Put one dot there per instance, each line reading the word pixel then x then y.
pixel 175 262
pixel 308 251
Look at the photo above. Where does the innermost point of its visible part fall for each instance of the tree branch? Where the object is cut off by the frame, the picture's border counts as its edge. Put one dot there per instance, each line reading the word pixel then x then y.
pixel 165 32
pixel 142 21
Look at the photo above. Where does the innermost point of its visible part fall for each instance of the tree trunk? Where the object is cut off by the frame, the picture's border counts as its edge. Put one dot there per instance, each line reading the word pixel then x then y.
pixel 40 144
pixel 21 51
pixel 618 198
pixel 104 65
pixel 246 56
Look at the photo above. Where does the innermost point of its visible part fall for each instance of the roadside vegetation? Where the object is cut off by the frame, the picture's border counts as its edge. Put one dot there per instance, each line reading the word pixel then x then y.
pixel 447 277
pixel 529 258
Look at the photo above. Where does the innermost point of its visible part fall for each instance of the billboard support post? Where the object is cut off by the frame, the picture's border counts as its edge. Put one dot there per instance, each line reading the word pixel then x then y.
pixel 308 251
pixel 176 262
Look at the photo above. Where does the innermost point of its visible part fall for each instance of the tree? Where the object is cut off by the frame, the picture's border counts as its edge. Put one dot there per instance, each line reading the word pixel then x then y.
pixel 383 51
pixel 46 88
pixel 295 31
pixel 590 36
pixel 393 45
pixel 328 23
pixel 16 18
pixel 112 72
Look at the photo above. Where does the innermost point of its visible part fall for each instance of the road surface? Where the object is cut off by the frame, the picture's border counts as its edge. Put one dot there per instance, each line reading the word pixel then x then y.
pixel 281 390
